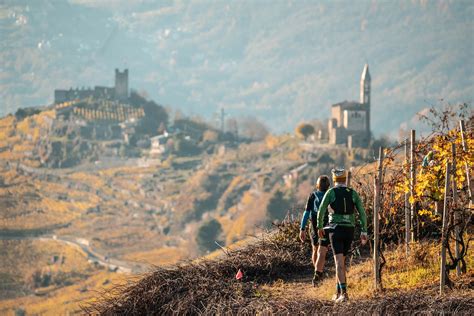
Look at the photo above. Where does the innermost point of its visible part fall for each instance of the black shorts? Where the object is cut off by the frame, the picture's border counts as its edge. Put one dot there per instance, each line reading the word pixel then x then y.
pixel 341 239
pixel 315 240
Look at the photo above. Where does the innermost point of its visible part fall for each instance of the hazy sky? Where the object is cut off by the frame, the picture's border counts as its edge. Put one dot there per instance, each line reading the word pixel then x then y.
pixel 281 61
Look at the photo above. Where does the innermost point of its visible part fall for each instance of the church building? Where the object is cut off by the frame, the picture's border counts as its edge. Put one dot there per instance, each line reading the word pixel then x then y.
pixel 350 120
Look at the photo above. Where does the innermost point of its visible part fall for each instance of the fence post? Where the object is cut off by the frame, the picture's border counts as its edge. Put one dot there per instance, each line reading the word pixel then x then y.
pixel 444 237
pixel 407 207
pixel 466 149
pixel 412 184
pixel 377 194
pixel 376 236
pixel 348 180
pixel 456 215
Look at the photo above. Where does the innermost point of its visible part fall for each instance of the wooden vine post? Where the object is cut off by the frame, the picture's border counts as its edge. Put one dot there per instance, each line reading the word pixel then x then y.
pixel 377 195
pixel 455 215
pixel 412 185
pixel 348 180
pixel 407 205
pixel 466 150
pixel 444 237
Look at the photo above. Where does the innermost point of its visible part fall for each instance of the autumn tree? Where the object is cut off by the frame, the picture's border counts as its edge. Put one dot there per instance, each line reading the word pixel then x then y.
pixel 303 130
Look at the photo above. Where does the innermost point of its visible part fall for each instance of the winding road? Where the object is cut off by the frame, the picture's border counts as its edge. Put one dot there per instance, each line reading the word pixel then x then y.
pixel 116 265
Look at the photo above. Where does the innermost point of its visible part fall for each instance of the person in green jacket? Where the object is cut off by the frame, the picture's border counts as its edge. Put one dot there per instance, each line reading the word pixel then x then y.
pixel 342 202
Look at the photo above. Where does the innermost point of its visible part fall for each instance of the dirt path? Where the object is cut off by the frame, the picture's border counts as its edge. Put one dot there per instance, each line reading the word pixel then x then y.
pixel 298 291
pixel 298 294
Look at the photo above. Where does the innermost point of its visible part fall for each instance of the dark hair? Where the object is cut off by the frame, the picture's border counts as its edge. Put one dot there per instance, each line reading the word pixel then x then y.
pixel 323 183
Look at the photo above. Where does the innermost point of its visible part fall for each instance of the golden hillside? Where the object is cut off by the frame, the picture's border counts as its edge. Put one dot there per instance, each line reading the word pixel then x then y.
pixel 133 212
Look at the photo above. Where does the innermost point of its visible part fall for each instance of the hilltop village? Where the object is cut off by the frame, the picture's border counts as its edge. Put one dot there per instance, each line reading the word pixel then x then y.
pixel 90 124
pixel 93 123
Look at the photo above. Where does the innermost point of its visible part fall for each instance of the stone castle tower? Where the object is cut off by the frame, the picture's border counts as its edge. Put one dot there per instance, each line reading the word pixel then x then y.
pixel 350 120
pixel 365 94
pixel 121 84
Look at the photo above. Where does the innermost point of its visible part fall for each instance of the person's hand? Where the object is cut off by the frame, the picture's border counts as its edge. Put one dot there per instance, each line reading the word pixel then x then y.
pixel 302 235
pixel 363 238
pixel 321 233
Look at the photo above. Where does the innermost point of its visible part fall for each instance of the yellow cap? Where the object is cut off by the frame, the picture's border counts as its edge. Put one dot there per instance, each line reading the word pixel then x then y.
pixel 338 175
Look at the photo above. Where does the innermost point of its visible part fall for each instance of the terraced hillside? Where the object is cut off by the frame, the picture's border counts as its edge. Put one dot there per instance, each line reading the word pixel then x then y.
pixel 125 213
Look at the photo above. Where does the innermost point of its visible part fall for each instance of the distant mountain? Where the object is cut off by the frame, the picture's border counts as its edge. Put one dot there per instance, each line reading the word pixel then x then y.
pixel 283 62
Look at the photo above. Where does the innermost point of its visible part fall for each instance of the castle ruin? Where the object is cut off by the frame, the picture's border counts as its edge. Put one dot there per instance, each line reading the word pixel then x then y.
pixel 119 92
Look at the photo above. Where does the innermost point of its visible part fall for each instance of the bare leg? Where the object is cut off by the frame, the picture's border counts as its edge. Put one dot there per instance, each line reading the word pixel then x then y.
pixel 321 259
pixel 314 256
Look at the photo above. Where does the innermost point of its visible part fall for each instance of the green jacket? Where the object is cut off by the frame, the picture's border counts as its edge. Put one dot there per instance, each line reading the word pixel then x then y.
pixel 339 219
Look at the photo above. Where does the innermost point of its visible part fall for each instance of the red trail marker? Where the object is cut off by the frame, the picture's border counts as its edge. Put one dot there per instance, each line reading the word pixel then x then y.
pixel 239 275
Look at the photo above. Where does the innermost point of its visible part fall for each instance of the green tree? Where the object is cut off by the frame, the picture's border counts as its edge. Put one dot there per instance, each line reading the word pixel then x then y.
pixel 208 233
pixel 154 114
pixel 278 206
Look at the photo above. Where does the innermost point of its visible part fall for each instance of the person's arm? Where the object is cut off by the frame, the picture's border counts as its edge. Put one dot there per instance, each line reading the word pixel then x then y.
pixel 327 199
pixel 304 220
pixel 361 210
pixel 307 212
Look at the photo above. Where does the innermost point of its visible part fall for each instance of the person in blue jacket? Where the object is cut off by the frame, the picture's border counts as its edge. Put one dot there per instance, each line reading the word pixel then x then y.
pixel 320 245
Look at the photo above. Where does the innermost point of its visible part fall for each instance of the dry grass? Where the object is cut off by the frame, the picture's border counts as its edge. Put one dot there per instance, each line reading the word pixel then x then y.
pixel 277 274
pixel 209 285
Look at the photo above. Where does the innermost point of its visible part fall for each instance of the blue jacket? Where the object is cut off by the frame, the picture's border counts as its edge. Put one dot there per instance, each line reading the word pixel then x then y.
pixel 312 206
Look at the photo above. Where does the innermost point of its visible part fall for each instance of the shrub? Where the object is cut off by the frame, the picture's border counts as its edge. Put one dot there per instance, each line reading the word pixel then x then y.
pixel 207 234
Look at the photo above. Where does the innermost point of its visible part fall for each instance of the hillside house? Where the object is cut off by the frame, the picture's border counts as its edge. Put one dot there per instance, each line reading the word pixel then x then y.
pixel 158 145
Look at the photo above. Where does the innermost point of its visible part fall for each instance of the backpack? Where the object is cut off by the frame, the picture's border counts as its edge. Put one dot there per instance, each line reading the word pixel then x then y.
pixel 343 204
pixel 318 198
